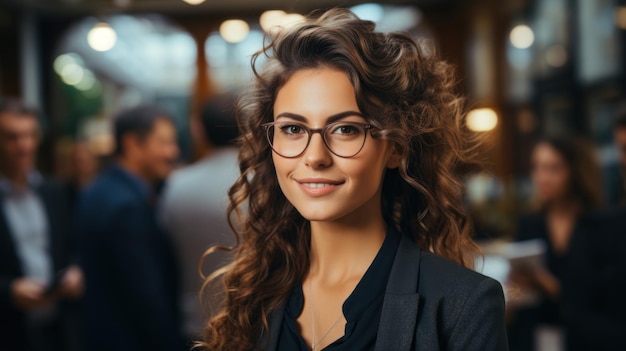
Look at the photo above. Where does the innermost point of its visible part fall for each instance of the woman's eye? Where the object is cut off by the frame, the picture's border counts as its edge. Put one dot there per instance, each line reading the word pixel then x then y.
pixel 292 129
pixel 346 129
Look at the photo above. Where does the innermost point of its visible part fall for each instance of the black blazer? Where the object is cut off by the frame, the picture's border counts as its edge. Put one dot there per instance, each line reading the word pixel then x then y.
pixel 593 304
pixel 53 197
pixel 432 304
pixel 131 297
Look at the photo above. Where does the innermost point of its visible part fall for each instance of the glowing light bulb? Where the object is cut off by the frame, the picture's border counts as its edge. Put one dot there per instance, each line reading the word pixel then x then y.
pixel 482 119
pixel 270 19
pixel 234 31
pixel 522 37
pixel 102 37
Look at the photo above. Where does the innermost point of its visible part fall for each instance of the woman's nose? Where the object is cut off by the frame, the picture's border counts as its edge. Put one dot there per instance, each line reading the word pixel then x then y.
pixel 317 154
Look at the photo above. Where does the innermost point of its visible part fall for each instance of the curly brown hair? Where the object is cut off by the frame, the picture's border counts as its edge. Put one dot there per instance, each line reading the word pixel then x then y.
pixel 409 96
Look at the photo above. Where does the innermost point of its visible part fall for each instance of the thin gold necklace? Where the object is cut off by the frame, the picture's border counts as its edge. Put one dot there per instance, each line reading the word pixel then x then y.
pixel 316 345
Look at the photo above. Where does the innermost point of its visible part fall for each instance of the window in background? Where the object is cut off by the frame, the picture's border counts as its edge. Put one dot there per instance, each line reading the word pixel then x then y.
pixel 104 65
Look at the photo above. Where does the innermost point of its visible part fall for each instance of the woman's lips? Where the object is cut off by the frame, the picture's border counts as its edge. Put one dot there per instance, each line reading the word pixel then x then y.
pixel 318 187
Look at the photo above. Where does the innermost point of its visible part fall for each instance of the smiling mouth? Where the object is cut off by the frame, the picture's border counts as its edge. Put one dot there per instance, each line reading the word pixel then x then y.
pixel 317 187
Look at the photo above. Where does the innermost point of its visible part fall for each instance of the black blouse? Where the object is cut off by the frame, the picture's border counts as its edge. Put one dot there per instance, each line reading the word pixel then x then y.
pixel 361 309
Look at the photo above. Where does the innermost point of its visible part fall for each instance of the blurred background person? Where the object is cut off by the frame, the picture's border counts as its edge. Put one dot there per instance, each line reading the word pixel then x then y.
pixel 75 166
pixel 131 299
pixel 193 208
pixel 593 304
pixel 36 243
pixel 593 307
pixel 567 185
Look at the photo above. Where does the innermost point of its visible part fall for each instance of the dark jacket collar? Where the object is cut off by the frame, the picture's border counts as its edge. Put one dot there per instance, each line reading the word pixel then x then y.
pixel 399 316
pixel 400 305
pixel 139 186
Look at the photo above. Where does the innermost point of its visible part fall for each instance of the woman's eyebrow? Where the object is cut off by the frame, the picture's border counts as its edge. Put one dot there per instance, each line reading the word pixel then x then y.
pixel 330 119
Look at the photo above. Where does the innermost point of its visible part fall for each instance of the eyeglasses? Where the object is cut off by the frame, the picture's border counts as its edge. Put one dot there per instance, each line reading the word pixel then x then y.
pixel 290 139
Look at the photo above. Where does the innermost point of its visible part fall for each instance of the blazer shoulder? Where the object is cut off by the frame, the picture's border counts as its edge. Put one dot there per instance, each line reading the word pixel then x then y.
pixel 107 186
pixel 440 276
pixel 105 196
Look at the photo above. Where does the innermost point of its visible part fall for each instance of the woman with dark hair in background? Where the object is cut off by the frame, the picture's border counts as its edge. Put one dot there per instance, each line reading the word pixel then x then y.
pixel 566 179
pixel 354 236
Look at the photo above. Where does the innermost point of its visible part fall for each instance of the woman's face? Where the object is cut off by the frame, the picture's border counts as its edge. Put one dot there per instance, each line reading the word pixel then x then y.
pixel 321 185
pixel 550 174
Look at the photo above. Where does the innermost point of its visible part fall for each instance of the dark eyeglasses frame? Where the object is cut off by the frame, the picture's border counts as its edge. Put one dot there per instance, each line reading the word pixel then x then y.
pixel 311 131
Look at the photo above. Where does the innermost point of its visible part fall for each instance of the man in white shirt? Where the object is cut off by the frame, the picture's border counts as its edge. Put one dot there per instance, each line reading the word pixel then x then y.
pixel 193 207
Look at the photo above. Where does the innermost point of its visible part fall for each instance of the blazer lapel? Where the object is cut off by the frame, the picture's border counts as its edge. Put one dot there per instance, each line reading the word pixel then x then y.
pixel 400 305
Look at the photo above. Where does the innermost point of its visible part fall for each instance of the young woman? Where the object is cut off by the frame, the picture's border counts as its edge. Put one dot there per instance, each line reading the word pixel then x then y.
pixel 567 185
pixel 354 235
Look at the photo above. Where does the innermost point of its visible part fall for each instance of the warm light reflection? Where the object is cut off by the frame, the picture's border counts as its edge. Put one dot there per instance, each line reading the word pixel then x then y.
pixel 194 2
pixel 234 31
pixel 522 36
pixel 274 20
pixel 291 19
pixel 270 19
pixel 102 37
pixel 482 119
pixel 620 17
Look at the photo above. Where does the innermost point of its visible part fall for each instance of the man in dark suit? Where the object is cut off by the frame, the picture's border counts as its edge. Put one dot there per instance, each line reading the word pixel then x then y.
pixel 35 242
pixel 130 268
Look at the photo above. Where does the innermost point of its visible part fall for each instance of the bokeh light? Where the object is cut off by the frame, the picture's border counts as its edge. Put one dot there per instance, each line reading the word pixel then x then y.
pixel 72 73
pixel 522 37
pixel 482 119
pixel 273 21
pixel 65 59
pixel 234 30
pixel 102 37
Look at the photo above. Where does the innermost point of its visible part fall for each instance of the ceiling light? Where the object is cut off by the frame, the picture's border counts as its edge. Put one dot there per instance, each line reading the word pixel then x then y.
pixel 482 119
pixel 234 31
pixel 102 37
pixel 274 20
pixel 291 19
pixel 522 37
pixel 271 18
pixel 194 2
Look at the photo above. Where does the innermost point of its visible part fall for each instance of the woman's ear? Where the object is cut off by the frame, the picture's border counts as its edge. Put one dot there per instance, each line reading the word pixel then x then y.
pixel 394 158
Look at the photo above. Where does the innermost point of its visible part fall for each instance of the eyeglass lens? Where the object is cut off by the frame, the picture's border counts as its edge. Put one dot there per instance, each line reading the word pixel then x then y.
pixel 344 139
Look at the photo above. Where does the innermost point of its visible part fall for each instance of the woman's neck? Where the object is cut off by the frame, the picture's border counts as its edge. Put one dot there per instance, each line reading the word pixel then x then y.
pixel 564 207
pixel 342 251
